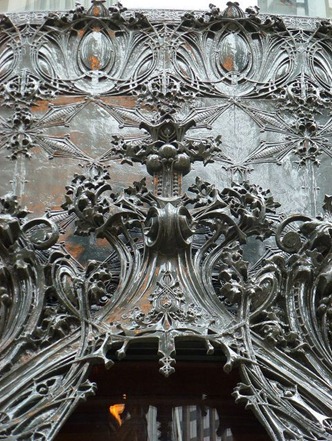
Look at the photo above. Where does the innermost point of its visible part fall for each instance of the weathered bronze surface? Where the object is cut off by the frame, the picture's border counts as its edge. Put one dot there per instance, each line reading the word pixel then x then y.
pixel 164 132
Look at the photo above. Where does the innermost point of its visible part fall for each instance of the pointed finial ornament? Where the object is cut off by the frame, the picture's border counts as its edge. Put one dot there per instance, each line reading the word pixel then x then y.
pixel 233 10
pixel 97 9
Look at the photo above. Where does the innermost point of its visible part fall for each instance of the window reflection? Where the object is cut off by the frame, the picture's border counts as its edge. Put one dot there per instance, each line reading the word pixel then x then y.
pixel 314 8
pixel 140 422
pixel 131 423
pixel 39 5
pixel 135 403
pixel 116 411
pixel 147 423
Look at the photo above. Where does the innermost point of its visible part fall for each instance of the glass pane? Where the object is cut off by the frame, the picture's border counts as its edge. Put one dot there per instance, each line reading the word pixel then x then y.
pixel 314 8
pixel 38 5
pixel 135 403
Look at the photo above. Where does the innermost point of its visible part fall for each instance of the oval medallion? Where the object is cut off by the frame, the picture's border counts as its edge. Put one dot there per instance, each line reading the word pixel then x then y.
pixel 96 50
pixel 234 53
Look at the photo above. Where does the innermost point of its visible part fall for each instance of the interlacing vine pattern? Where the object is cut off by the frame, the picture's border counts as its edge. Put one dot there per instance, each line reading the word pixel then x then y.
pixel 175 258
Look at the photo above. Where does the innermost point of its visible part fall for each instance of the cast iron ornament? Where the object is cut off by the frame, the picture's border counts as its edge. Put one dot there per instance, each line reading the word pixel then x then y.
pixel 176 270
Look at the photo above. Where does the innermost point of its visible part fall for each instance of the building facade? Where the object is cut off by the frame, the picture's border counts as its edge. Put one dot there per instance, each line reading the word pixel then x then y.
pixel 165 178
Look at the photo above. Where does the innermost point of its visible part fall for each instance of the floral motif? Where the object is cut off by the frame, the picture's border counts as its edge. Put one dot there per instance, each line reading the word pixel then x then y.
pixel 23 131
pixel 169 308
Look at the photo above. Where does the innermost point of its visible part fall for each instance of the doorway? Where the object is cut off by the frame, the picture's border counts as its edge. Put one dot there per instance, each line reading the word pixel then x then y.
pixel 135 403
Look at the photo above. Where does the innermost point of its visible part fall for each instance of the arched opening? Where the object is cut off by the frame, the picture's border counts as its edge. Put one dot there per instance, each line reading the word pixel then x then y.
pixel 135 402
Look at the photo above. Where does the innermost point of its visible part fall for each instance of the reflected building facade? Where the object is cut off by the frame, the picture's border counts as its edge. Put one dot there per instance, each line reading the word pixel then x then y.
pixel 313 8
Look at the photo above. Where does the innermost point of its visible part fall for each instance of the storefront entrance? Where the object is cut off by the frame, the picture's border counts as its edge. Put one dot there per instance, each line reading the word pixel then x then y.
pixel 135 403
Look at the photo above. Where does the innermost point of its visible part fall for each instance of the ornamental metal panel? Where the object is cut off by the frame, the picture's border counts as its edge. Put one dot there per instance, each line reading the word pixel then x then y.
pixel 154 222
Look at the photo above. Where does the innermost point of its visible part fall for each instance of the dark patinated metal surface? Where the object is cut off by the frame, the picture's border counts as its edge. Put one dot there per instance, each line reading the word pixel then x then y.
pixel 165 133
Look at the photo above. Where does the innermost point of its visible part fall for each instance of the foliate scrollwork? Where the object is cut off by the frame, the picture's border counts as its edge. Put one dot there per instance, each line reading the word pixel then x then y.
pixel 27 88
pixel 85 197
pixel 168 227
pixel 231 52
pixel 289 317
pixel 167 145
pixel 19 133
pixel 253 314
pixel 96 37
pixel 41 314
pixel 300 135
pixel 165 59
pixel 303 96
pixel 23 132
pixel 179 265
pixel 168 306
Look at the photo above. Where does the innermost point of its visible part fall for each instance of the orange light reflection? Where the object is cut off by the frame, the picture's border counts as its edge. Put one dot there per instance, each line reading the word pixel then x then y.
pixel 116 410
